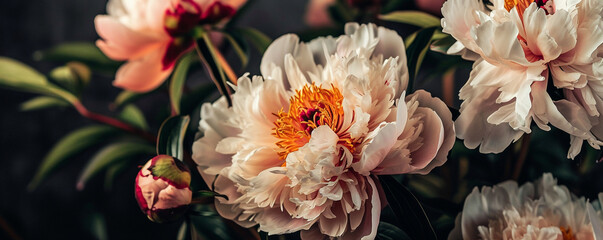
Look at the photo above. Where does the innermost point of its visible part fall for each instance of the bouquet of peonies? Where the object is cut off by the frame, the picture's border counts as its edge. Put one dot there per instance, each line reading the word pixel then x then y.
pixel 336 135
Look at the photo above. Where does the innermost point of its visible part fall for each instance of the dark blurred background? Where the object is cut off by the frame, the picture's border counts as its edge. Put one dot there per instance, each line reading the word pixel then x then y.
pixel 56 210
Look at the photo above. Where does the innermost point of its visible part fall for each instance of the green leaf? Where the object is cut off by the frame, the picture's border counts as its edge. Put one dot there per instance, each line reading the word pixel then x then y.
pixel 42 102
pixel 212 226
pixel 74 76
pixel 112 173
pixel 178 80
pixel 205 194
pixel 16 75
pixel 415 18
pixel 109 155
pixel 171 136
pixel 409 39
pixel 166 168
pixel 408 210
pixel 387 231
pixel 442 45
pixel 416 52
pixel 340 12
pixel 70 145
pixel 240 47
pixel 132 115
pixel 393 5
pixel 84 52
pixel 125 97
pixel 97 226
pixel 183 232
pixel 210 60
pixel 257 38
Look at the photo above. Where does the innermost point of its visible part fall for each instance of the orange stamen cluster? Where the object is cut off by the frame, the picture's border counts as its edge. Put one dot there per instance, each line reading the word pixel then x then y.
pixel 567 233
pixel 309 108
pixel 521 5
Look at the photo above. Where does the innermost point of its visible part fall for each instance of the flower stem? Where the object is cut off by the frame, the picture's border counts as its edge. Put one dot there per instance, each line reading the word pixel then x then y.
pixel 232 76
pixel 523 153
pixel 113 122
pixel 9 230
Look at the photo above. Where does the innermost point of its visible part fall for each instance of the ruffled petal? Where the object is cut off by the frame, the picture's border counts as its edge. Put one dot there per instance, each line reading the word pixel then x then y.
pixel 122 43
pixel 143 74
pixel 276 55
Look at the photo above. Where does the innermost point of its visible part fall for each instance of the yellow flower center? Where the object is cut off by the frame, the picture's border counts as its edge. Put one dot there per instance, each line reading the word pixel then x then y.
pixel 520 4
pixel 567 233
pixel 309 108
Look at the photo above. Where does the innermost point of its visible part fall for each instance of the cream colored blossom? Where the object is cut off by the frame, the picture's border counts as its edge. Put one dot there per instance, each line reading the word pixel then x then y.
pixel 301 146
pixel 520 49
pixel 541 210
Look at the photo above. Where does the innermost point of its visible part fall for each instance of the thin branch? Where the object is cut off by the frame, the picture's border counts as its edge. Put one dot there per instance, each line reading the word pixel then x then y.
pixel 225 92
pixel 448 87
pixel 113 122
pixel 232 76
pixel 523 153
pixel 9 230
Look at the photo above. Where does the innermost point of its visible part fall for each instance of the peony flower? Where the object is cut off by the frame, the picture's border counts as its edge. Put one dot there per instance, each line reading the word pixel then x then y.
pixel 431 6
pixel 541 210
pixel 317 13
pixel 302 145
pixel 152 34
pixel 163 189
pixel 521 49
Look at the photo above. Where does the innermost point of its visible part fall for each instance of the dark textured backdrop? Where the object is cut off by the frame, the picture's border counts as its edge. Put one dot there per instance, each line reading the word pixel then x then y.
pixel 56 210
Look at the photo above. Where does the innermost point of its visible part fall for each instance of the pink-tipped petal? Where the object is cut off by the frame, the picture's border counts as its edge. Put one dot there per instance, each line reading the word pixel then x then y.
pixel 120 42
pixel 426 100
pixel 317 14
pixel 144 74
pixel 433 137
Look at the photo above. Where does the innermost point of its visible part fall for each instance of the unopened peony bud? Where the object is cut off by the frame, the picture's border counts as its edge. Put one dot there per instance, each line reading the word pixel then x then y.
pixel 163 189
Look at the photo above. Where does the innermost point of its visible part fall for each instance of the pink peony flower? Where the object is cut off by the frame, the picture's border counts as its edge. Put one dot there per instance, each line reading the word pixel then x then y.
pixel 302 145
pixel 152 34
pixel 163 189
pixel 431 6
pixel 520 49
pixel 540 210
pixel 317 13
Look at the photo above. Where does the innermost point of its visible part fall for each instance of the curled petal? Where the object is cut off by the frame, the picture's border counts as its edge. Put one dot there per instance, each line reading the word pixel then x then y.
pixel 144 74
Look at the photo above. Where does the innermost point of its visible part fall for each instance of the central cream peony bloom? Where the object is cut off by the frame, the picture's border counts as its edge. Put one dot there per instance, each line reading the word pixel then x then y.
pixel 521 48
pixel 301 146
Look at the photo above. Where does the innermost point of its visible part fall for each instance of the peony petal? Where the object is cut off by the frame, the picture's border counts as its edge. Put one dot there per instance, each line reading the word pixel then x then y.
pixel 336 226
pixel 383 140
pixel 433 137
pixel 460 18
pixel 317 14
pixel 368 228
pixel 275 55
pixel 426 100
pixel 144 74
pixel 121 42
pixel 595 221
pixel 473 127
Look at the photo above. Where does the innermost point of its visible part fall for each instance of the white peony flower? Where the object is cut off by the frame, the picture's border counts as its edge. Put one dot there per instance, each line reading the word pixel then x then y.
pixel 521 48
pixel 302 144
pixel 541 210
